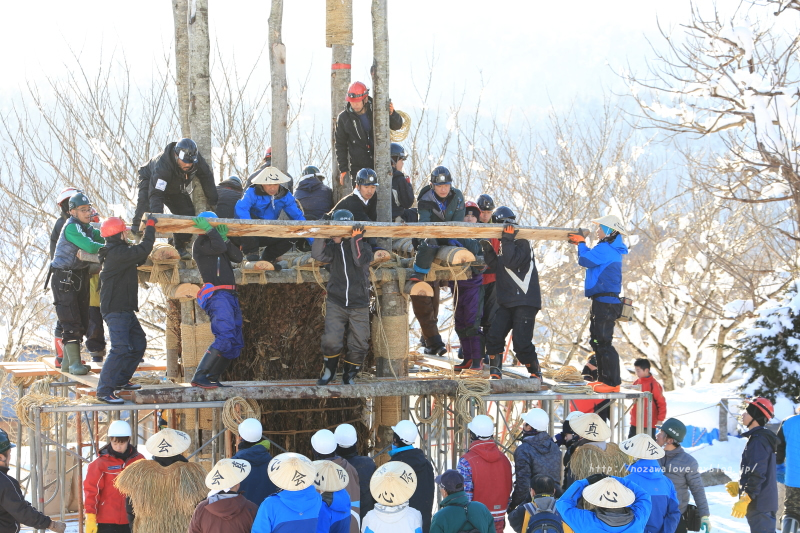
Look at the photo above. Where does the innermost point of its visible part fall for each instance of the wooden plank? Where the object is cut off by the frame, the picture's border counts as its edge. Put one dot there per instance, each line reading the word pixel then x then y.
pixel 292 229
pixel 278 391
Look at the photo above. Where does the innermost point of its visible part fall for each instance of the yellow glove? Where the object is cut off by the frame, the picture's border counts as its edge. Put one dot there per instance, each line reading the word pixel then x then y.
pixel 740 507
pixel 733 488
pixel 91 523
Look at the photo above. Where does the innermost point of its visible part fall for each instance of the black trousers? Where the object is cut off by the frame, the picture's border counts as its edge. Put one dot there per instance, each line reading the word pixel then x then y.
pixel 113 528
pixel 601 328
pixel 273 246
pixel 71 299
pixel 520 321
pixel 489 310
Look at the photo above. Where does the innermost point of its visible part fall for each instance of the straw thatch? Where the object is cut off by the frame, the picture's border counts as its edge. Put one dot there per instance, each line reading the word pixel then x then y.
pixel 590 459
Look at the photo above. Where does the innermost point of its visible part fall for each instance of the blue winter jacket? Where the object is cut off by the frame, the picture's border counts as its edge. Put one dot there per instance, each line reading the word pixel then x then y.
pixel 289 512
pixel 603 265
pixel 666 512
pixel 583 520
pixel 789 456
pixel 257 486
pixel 256 204
pixel 758 474
pixel 335 518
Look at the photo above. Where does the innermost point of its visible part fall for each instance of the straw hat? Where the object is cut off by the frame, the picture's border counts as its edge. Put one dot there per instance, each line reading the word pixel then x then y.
pixel 330 477
pixel 227 473
pixel 609 493
pixel 393 483
pixel 642 446
pixel 292 471
pixel 270 176
pixel 167 443
pixel 591 427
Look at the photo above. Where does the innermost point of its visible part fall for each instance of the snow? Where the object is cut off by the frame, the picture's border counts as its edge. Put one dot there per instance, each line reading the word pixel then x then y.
pixel 697 405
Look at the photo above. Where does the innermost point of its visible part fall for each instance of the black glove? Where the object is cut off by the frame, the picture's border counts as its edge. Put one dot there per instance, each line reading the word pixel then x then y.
pixel 594 478
pixel 486 246
pixel 135 229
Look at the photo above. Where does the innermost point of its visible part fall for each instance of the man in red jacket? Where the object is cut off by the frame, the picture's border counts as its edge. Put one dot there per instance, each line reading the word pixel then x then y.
pixel 105 505
pixel 486 471
pixel 658 407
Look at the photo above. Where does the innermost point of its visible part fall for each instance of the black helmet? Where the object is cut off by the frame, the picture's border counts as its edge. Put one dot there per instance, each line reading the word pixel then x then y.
pixel 485 202
pixel 78 199
pixel 503 215
pixel 366 176
pixel 5 442
pixel 398 151
pixel 311 170
pixel 186 150
pixel 440 175
pixel 342 215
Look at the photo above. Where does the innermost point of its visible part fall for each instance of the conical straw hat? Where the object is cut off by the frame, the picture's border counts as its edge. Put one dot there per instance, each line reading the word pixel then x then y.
pixel 226 474
pixel 270 176
pixel 642 446
pixel 609 493
pixel 292 471
pixel 591 427
pixel 167 443
pixel 330 477
pixel 393 483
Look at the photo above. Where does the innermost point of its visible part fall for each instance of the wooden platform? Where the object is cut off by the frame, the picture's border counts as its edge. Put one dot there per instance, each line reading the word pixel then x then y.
pixel 292 229
pixel 91 379
pixel 24 369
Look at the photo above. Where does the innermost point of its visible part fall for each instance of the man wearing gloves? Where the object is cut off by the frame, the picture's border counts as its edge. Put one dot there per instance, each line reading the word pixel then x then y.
pixel 254 449
pixel 391 487
pixel 225 510
pixel 296 507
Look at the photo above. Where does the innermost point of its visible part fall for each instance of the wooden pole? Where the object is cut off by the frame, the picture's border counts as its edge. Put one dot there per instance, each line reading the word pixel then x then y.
pixel 380 109
pixel 172 335
pixel 280 100
pixel 199 89
pixel 179 10
pixel 341 55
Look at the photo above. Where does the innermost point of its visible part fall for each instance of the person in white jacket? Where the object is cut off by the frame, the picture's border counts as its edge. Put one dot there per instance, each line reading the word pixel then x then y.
pixel 392 486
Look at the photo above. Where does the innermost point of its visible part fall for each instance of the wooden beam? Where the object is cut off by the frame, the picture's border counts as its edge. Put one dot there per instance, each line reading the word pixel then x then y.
pixel 292 229
pixel 278 390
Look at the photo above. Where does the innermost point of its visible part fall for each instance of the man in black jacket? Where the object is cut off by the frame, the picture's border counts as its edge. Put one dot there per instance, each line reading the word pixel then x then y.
pixel 346 440
pixel 314 196
pixel 403 438
pixel 402 191
pixel 14 509
pixel 166 181
pixel 362 202
pixel 214 253
pixel 347 303
pixel 228 193
pixel 119 301
pixel 519 297
pixel 354 135
pixel 63 203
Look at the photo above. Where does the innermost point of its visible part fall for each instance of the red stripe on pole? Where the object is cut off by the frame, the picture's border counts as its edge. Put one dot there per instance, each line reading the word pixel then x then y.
pixel 340 66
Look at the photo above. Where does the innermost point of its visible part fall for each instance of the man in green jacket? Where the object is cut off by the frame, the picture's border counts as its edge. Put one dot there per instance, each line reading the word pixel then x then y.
pixel 456 512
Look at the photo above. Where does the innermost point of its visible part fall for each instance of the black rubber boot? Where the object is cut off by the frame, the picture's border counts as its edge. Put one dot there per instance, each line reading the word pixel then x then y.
pixel 496 366
pixel 329 370
pixel 208 361
pixel 350 372
pixel 219 368
pixel 435 346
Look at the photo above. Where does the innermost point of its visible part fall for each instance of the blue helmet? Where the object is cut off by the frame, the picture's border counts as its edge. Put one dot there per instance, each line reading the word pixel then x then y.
pixel 208 214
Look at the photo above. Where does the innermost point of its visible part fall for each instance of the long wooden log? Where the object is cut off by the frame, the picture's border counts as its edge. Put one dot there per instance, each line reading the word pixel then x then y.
pixel 453 255
pixel 277 390
pixel 292 229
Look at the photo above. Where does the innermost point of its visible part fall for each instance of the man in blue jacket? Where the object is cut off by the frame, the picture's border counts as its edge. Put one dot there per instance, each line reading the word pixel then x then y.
pixel 789 456
pixel 648 474
pixel 621 506
pixel 264 200
pixel 757 487
pixel 603 265
pixel 297 506
pixel 254 449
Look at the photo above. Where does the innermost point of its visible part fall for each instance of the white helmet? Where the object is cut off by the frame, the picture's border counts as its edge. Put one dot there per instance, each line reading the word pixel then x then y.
pixel 119 428
pixel 250 430
pixel 537 419
pixel 323 442
pixel 407 431
pixel 573 415
pixel 613 222
pixel 482 426
pixel 66 194
pixel 346 435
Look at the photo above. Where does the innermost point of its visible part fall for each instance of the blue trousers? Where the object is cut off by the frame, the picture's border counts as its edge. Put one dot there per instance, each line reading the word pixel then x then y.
pixel 226 323
pixel 128 343
pixel 761 521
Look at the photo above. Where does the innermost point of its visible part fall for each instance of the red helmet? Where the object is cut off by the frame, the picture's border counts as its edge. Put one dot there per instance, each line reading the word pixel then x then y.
pixel 66 194
pixel 112 226
pixel 268 155
pixel 468 204
pixel 764 405
pixel 357 92
pixel 95 216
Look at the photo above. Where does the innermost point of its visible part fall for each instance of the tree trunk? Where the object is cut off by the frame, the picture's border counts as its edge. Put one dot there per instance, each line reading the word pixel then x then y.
pixel 719 353
pixel 179 14
pixel 199 89
pixel 339 37
pixel 380 107
pixel 280 101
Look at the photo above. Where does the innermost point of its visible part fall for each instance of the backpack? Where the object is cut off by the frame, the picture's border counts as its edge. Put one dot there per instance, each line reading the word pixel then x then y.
pixel 466 521
pixel 538 521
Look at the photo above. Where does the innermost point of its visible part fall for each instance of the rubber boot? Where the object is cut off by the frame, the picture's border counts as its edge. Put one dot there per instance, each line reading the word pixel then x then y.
pixel 59 344
pixel 465 363
pixel 435 346
pixel 496 366
pixel 350 372
pixel 219 368
pixel 328 370
pixel 789 524
pixel 72 359
pixel 533 370
pixel 208 361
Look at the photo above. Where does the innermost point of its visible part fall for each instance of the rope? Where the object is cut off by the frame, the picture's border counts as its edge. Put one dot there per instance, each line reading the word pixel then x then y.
pixel 470 389
pixel 236 410
pixel 39 396
pixel 402 133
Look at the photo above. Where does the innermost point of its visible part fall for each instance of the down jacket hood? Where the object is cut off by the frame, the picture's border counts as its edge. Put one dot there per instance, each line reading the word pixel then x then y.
pixel 227 508
pixel 299 501
pixel 541 442
pixel 487 450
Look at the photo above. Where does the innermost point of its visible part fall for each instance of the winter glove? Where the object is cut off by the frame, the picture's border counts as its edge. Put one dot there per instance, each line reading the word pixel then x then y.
pixel 509 231
pixel 135 229
pixel 358 230
pixel 594 478
pixel 575 238
pixel 740 507
pixel 222 229
pixel 341 178
pixel 61 527
pixel 486 246
pixel 733 488
pixel 454 242
pixel 91 523
pixel 151 221
pixel 705 524
pixel 202 223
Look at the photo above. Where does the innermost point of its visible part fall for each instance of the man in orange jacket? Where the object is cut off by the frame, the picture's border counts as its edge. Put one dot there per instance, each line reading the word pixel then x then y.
pixel 658 407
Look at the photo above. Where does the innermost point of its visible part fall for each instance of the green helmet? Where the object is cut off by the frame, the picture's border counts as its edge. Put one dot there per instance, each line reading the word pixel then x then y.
pixel 5 443
pixel 78 199
pixel 674 429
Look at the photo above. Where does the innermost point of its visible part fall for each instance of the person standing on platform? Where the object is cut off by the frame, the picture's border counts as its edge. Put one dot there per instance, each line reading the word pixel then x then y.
pixel 62 201
pixel 402 190
pixel 314 196
pixel 488 296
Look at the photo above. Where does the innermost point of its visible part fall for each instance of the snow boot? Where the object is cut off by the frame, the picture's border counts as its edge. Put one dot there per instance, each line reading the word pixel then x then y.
pixel 350 372
pixel 220 366
pixel 329 369
pixel 72 359
pixel 477 364
pixel 435 346
pixel 463 365
pixel 201 375
pixel 496 366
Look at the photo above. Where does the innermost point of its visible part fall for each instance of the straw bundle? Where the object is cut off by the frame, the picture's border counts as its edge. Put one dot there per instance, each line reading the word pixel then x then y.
pixel 589 459
pixel 236 410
